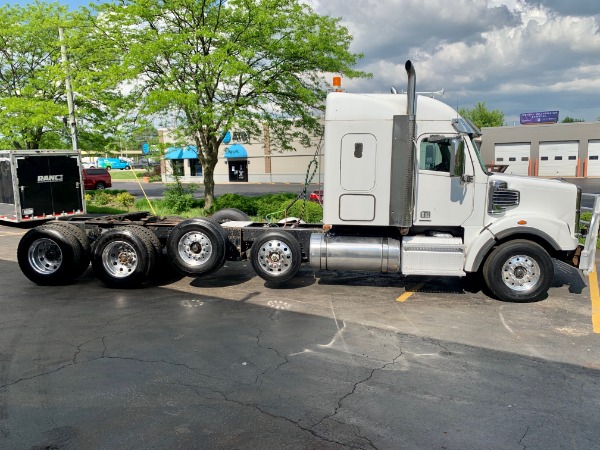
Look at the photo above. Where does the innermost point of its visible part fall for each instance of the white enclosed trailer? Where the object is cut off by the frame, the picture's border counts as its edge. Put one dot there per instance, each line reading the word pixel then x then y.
pixel 40 185
pixel 405 191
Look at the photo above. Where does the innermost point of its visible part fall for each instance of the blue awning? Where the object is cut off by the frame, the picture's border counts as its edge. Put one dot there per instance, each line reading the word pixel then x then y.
pixel 235 151
pixel 188 152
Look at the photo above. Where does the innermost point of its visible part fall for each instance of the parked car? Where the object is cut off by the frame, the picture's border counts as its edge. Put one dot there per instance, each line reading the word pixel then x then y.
pixel 88 165
pixel 97 179
pixel 113 163
pixel 316 196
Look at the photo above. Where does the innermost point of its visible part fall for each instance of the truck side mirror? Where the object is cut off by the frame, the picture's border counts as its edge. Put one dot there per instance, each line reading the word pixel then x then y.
pixel 457 158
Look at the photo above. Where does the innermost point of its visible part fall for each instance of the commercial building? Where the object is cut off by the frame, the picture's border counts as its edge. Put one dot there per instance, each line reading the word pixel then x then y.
pixel 243 158
pixel 552 150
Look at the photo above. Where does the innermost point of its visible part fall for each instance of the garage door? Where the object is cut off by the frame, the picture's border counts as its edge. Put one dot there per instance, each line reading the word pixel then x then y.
pixel 593 164
pixel 515 156
pixel 558 159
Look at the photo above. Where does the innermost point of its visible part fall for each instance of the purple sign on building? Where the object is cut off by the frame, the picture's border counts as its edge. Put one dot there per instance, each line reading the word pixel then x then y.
pixel 539 117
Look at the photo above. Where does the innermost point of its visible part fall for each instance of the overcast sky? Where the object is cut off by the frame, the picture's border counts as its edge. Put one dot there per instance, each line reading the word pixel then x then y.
pixel 514 55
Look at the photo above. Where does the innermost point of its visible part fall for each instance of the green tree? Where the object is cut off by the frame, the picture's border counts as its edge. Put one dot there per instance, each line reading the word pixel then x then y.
pixel 482 117
pixel 571 120
pixel 32 101
pixel 223 63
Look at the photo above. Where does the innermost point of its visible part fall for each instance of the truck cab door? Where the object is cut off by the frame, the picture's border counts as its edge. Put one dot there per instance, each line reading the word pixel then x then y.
pixel 442 199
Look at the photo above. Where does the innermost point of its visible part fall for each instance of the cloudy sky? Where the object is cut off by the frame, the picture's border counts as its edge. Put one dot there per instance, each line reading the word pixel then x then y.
pixel 514 55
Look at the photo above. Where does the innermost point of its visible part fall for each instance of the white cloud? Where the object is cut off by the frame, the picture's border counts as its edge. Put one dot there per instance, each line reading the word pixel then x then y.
pixel 515 55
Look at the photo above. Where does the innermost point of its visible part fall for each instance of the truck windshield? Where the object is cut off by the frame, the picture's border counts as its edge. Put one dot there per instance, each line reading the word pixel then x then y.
pixel 481 164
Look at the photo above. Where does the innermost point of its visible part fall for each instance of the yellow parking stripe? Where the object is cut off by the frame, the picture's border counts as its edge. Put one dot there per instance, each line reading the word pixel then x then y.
pixel 407 294
pixel 595 295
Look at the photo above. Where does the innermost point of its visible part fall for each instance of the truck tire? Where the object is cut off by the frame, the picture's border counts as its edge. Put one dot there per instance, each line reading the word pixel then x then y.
pixel 197 247
pixel 49 256
pixel 518 271
pixel 276 256
pixel 230 214
pixel 100 186
pixel 82 239
pixel 123 258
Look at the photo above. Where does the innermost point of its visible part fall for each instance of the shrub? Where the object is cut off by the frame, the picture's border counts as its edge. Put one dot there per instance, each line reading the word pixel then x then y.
pixel 310 212
pixel 179 197
pixel 102 198
pixel 270 203
pixel 246 204
pixel 125 199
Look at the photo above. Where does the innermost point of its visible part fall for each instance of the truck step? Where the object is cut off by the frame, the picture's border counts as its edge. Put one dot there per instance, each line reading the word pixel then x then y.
pixel 432 255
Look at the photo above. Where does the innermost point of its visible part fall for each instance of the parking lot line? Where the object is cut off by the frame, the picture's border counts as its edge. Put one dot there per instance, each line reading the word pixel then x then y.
pixel 595 296
pixel 407 294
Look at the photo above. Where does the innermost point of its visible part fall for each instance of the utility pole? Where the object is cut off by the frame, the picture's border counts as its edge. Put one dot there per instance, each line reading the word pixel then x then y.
pixel 69 88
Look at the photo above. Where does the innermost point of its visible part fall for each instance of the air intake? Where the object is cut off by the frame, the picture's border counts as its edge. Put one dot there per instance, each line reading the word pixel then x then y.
pixel 501 198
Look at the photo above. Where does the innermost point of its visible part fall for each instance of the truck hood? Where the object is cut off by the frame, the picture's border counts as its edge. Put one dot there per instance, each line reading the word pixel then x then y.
pixel 538 196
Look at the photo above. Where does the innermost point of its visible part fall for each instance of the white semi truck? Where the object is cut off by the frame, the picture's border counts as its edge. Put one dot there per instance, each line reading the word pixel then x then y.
pixel 405 191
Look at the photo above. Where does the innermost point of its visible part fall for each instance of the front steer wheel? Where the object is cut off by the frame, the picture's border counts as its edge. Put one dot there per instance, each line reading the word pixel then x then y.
pixel 276 256
pixel 518 271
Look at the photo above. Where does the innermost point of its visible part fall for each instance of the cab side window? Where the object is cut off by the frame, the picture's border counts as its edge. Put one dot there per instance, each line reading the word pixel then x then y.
pixel 434 156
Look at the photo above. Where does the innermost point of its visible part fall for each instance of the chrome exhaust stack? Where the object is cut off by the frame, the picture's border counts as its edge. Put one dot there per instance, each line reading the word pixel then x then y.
pixel 411 91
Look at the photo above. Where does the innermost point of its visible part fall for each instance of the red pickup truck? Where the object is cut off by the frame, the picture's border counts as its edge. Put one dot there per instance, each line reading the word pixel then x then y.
pixel 97 179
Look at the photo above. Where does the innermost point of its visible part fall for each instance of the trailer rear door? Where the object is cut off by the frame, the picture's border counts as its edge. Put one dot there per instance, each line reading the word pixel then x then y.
pixel 49 185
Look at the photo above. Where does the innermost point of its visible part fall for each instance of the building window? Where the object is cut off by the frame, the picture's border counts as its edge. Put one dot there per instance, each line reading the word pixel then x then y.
pixel 558 158
pixel 195 168
pixel 544 158
pixel 594 158
pixel 240 136
pixel 572 158
pixel 177 165
pixel 525 158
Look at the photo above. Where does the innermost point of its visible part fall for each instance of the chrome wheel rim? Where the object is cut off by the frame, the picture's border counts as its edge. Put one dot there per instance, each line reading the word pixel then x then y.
pixel 119 259
pixel 45 256
pixel 275 257
pixel 521 273
pixel 195 248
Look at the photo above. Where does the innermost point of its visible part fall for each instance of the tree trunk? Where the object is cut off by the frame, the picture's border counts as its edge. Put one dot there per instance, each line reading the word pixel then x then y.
pixel 211 157
pixel 208 171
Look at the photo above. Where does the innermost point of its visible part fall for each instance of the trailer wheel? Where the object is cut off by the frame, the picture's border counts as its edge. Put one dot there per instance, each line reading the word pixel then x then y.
pixel 48 256
pixel 276 256
pixel 123 258
pixel 518 271
pixel 229 214
pixel 197 247
pixel 82 239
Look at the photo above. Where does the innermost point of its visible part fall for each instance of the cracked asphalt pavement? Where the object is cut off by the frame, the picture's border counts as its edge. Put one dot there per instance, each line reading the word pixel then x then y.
pixel 331 361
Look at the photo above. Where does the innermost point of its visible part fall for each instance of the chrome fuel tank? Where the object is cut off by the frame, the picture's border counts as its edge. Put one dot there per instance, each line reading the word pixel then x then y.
pixel 369 254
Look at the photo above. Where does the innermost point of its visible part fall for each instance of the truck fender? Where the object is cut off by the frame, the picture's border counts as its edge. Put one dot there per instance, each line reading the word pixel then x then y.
pixel 478 249
pixel 555 233
pixel 551 231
